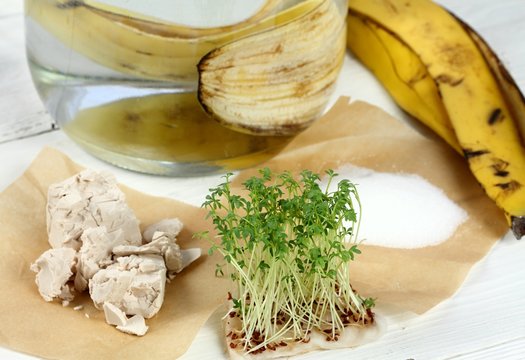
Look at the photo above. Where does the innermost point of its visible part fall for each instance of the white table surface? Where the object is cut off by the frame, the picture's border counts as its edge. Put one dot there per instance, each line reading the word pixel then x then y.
pixel 485 319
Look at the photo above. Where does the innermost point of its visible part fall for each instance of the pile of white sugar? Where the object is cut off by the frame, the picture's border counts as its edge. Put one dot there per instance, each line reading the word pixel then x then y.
pixel 401 210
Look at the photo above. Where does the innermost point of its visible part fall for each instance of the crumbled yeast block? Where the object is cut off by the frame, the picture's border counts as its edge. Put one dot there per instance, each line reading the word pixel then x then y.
pixel 95 253
pixel 170 227
pixel 134 326
pixel 163 244
pixel 114 316
pixel 87 200
pixel 135 284
pixel 96 239
pixel 54 269
pixel 161 239
pixel 190 255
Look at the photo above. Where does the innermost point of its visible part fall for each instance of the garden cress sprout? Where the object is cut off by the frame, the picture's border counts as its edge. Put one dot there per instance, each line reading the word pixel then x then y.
pixel 287 245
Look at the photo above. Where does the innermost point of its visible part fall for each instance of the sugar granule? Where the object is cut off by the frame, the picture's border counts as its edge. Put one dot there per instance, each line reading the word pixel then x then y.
pixel 401 210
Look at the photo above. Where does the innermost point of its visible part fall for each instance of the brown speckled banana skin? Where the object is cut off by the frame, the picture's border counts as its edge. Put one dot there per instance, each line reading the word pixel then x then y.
pixel 473 100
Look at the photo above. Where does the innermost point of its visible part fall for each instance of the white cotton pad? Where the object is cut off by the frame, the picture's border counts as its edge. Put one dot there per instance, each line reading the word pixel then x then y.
pixel 401 210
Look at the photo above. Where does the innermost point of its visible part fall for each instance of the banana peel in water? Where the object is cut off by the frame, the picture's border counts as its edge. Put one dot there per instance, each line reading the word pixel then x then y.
pixel 475 98
pixel 163 26
pixel 278 81
pixel 142 48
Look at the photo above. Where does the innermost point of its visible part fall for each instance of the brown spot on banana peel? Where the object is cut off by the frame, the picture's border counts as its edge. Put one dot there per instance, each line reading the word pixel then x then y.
pixel 303 88
pixel 457 56
pixel 417 78
pixel 496 116
pixel 501 173
pixel 287 69
pixel 517 225
pixel 509 187
pixel 500 168
pixel 71 4
pixel 446 79
pixel 315 16
pixel 470 153
pixel 392 6
pixel 132 117
pixel 146 53
pixel 127 66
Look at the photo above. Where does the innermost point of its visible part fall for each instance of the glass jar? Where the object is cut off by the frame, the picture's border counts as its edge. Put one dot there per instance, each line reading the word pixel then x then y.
pixel 124 78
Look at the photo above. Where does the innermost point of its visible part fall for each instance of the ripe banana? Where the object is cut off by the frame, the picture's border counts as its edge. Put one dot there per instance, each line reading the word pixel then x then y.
pixel 146 49
pixel 277 81
pixel 475 105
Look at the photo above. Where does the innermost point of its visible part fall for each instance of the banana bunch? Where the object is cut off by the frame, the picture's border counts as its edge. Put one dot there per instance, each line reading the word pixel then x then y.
pixel 441 72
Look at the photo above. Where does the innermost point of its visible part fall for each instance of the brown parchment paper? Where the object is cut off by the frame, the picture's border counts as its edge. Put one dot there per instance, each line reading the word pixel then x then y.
pixel 404 280
pixel 28 324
